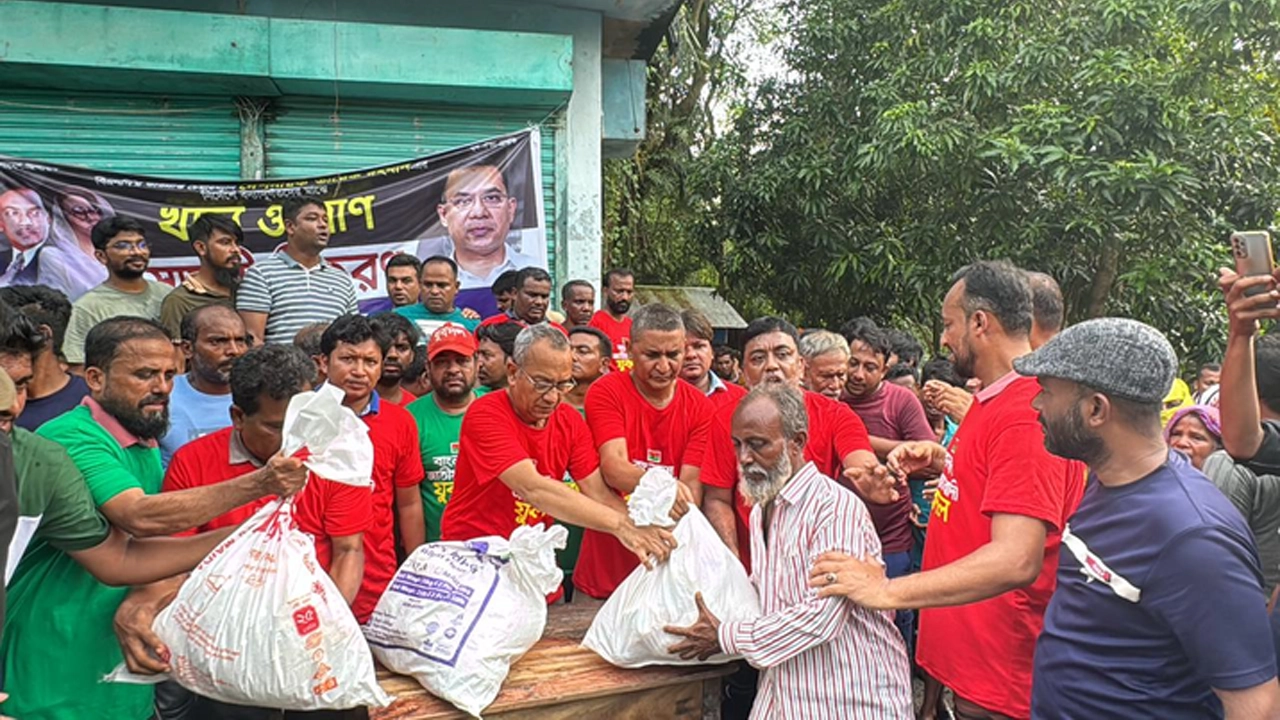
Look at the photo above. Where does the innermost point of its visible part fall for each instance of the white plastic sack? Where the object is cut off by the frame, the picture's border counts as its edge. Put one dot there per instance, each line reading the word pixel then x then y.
pixel 458 614
pixel 260 623
pixel 336 441
pixel 628 629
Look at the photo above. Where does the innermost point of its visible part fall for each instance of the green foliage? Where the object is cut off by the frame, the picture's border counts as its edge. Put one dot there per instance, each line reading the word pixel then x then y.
pixel 1112 144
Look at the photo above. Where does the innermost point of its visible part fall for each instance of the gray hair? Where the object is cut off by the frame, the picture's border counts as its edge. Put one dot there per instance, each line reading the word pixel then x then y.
pixel 655 316
pixel 823 342
pixel 534 333
pixel 789 402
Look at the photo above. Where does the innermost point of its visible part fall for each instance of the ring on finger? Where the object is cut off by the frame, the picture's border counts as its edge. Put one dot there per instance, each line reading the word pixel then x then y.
pixel 831 578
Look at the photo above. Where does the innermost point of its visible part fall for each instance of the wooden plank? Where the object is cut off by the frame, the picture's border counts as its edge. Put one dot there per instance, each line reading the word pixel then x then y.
pixel 558 672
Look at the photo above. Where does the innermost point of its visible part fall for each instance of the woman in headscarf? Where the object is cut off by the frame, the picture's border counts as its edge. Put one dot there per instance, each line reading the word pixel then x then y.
pixel 75 212
pixel 1196 432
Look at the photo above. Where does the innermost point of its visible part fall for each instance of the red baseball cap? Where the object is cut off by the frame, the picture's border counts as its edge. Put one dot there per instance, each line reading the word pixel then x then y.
pixel 451 337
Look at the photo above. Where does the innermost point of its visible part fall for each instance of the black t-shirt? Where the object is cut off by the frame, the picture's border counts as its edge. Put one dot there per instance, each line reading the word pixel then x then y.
pixel 40 410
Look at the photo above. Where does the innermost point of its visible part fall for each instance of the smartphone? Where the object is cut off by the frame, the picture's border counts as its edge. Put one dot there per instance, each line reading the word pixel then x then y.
pixel 1252 250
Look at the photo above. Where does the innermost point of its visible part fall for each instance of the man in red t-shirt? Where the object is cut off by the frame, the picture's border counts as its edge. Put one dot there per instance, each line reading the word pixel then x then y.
pixel 404 338
pixel 532 298
pixel 837 444
pixel 642 419
pixel 517 445
pixel 698 356
pixel 619 288
pixel 352 350
pixel 997 517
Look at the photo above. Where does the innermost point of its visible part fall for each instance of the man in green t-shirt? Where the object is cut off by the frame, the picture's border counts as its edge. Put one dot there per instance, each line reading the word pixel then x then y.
pixel 440 285
pixel 451 362
pixel 57 642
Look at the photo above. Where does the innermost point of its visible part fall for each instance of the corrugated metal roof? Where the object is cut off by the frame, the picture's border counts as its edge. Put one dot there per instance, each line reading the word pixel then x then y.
pixel 703 299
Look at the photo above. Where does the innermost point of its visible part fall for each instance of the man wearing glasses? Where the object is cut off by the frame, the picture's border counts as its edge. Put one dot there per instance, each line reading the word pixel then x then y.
pixel 24 221
pixel 120 244
pixel 477 212
pixel 515 448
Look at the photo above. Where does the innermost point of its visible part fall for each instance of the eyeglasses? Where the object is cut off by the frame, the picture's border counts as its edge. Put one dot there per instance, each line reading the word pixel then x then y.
pixel 125 247
pixel 542 387
pixel 84 212
pixel 491 200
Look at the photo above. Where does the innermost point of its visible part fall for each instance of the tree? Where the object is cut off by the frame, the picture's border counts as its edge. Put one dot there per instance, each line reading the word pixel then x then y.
pixel 1111 144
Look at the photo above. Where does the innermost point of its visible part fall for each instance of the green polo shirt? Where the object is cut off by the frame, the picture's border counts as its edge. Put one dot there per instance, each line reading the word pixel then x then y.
pixel 58 640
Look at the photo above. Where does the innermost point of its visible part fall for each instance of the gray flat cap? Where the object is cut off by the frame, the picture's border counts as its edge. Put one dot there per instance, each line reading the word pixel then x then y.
pixel 1115 356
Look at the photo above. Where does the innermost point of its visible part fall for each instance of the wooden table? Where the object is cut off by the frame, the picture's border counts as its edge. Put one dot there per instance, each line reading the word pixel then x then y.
pixel 558 680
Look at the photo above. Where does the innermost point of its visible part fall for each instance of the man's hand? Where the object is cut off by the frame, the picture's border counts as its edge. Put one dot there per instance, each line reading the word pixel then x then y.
pixel 650 543
pixel 701 639
pixel 282 476
pixel 1244 311
pixel 954 402
pixel 470 314
pixel 865 583
pixel 684 500
pixel 916 514
pixel 144 652
pixel 873 481
pixel 912 457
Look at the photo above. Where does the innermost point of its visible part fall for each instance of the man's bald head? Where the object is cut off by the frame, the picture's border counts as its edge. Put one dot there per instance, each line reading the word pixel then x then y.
pixel 1047 308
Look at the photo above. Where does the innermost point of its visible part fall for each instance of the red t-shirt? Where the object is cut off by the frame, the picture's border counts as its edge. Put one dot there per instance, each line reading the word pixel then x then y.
pixel 672 437
pixel 894 413
pixel 619 331
pixel 501 318
pixel 406 397
pixel 727 395
pixel 834 432
pixel 492 440
pixel 996 463
pixel 324 509
pixel 397 463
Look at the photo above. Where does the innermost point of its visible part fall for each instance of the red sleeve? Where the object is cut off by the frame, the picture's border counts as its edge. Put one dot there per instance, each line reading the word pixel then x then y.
pixel 604 405
pixel 912 420
pixel 409 470
pixel 489 438
pixel 850 433
pixel 1022 477
pixel 695 447
pixel 583 458
pixel 719 466
pixel 347 509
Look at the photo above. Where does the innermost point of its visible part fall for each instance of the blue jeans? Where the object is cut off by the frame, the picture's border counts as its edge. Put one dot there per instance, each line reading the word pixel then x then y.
pixel 897 565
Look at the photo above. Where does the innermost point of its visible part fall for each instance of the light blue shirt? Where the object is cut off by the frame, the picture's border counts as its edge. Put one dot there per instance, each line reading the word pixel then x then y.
pixel 192 414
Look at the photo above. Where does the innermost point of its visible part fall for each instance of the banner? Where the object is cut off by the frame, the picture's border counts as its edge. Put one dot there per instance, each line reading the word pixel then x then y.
pixel 48 211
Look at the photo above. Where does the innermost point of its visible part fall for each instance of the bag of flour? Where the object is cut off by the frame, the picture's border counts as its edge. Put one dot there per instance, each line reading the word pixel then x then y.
pixel 458 614
pixel 628 629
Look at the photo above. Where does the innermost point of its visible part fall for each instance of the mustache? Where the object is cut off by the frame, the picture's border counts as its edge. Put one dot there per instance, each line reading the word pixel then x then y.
pixel 154 400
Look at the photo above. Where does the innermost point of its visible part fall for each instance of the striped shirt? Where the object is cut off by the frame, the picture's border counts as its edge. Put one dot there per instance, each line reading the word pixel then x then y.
pixel 293 296
pixel 821 657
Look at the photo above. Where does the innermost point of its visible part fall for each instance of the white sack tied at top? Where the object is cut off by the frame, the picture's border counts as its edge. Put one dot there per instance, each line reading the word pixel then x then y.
pixel 333 442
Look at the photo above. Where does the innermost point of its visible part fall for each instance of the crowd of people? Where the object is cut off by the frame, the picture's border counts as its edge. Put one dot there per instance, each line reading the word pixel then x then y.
pixel 1034 521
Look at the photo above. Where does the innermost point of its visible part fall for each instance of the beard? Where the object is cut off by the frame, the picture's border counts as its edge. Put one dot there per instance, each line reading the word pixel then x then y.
pixel 1067 437
pixel 620 307
pixel 761 485
pixel 146 426
pixel 963 360
pixel 125 272
pixel 453 394
pixel 228 277
pixel 212 374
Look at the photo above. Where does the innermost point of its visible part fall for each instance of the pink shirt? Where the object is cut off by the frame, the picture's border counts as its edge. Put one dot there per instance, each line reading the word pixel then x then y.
pixel 821 658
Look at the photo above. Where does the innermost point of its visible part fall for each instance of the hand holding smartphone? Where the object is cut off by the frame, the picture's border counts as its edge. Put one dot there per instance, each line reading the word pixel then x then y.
pixel 1252 251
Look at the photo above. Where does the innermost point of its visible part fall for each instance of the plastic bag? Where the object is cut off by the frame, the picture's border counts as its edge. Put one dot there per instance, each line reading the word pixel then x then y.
pixel 260 623
pixel 458 614
pixel 333 442
pixel 628 629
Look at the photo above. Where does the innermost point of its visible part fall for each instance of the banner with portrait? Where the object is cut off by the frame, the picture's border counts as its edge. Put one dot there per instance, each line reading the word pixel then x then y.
pixel 480 205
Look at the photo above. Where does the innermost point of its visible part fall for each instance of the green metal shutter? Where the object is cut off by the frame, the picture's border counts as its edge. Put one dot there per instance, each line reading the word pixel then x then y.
pixel 308 137
pixel 166 136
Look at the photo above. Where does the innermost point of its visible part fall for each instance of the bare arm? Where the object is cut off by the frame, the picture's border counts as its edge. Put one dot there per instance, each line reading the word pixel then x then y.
pixel 413 527
pixel 124 560
pixel 1260 702
pixel 1011 560
pixel 883 446
pixel 619 472
pixel 256 324
pixel 347 567
pixel 1241 416
pixel 717 505
pixel 143 515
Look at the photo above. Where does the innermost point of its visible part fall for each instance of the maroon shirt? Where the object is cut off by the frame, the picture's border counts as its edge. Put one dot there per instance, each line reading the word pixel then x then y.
pixel 893 413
